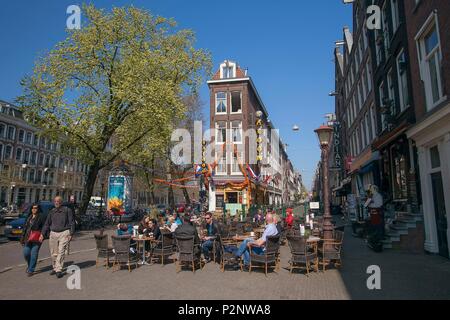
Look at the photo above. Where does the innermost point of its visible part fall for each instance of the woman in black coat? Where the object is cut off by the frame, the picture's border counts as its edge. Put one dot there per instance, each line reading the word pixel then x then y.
pixel 30 237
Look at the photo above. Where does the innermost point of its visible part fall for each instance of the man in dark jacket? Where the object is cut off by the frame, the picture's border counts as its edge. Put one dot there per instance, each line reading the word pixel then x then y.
pixel 208 239
pixel 186 230
pixel 59 228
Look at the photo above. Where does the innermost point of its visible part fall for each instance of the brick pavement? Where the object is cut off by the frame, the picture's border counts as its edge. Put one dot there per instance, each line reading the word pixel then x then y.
pixel 404 276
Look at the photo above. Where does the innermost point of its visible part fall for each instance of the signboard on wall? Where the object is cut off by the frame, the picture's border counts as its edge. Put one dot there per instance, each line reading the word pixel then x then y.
pixel 314 205
pixel 233 208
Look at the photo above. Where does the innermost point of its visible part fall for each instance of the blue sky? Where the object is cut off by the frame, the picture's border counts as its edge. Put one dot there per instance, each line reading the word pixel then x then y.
pixel 286 45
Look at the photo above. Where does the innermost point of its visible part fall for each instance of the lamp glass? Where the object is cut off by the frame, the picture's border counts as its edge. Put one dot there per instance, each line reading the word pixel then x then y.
pixel 324 135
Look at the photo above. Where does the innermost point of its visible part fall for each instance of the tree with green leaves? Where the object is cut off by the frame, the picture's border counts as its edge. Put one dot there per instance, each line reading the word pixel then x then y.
pixel 118 80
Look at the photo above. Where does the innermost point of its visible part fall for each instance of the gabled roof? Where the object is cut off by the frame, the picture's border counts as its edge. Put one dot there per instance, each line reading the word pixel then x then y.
pixel 339 60
pixel 348 38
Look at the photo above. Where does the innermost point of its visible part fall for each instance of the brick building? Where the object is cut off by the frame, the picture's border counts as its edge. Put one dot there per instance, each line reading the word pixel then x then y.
pixel 428 25
pixel 235 108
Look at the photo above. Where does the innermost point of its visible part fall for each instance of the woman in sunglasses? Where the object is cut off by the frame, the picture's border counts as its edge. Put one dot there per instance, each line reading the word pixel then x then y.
pixel 31 237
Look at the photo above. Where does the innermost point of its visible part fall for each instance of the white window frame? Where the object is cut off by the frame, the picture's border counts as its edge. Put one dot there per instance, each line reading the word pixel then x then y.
pixel 368 127
pixel 12 154
pixel 374 121
pixel 391 90
pixel 381 97
pixel 21 154
pixel 395 16
pixel 431 22
pixel 236 173
pixel 217 132
pixel 226 102
pixel 403 104
pixel 231 132
pixel 232 65
pixel 29 156
pixel 23 136
pixel 222 173
pixel 231 102
pixel 13 135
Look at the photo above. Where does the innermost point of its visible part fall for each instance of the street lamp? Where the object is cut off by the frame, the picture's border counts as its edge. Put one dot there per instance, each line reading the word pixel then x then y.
pixel 259 148
pixel 324 134
pixel 13 185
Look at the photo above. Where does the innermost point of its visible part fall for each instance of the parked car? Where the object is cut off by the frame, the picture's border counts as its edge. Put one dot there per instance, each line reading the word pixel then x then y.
pixel 14 229
pixel 97 202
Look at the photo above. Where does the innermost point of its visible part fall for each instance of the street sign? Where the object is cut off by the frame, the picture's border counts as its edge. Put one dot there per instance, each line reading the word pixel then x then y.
pixel 314 205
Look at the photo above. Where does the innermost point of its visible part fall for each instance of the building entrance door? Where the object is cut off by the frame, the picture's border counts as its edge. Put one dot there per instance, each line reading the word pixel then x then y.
pixel 440 213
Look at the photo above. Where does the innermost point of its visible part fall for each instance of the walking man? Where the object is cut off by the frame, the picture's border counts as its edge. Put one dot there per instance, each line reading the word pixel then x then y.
pixel 60 224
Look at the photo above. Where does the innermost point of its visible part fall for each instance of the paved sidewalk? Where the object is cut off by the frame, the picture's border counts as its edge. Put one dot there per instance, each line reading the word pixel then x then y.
pixel 404 276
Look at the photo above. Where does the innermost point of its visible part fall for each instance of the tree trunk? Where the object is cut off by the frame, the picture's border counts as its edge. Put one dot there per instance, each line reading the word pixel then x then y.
pixel 151 187
pixel 171 198
pixel 186 195
pixel 89 186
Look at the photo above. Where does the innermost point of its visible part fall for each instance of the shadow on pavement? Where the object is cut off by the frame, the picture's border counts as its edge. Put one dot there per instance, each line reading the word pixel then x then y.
pixel 81 265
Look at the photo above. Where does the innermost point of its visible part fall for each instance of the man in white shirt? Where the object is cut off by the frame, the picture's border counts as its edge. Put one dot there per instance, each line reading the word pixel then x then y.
pixel 375 204
pixel 258 246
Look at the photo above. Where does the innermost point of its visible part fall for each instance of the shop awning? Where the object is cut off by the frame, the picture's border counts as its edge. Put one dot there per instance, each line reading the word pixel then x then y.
pixel 368 166
pixel 387 138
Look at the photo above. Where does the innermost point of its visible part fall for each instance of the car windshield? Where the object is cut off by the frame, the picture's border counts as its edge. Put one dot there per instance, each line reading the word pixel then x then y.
pixel 23 215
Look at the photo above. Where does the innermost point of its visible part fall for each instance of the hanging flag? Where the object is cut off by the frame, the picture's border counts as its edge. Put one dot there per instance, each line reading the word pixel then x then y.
pixel 198 170
pixel 253 175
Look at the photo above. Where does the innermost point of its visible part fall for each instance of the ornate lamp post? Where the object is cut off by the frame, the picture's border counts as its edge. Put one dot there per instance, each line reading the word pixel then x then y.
pixel 259 149
pixel 324 134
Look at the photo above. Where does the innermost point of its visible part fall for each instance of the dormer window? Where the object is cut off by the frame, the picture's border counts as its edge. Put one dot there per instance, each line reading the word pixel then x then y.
pixel 228 70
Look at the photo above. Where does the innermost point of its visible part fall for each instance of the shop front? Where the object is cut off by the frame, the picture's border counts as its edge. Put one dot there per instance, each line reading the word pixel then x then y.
pixel 432 137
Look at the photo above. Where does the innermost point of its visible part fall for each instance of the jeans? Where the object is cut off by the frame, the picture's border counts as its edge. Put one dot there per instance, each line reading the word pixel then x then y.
pixel 207 247
pixel 30 253
pixel 243 251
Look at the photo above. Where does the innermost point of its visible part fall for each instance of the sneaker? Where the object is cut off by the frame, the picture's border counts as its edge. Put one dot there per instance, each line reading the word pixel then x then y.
pixel 30 274
pixel 53 272
pixel 59 275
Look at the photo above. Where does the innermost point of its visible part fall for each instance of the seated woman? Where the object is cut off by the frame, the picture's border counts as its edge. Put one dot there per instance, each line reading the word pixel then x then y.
pixel 127 230
pixel 171 225
pixel 124 230
pixel 177 219
pixel 153 229
pixel 144 226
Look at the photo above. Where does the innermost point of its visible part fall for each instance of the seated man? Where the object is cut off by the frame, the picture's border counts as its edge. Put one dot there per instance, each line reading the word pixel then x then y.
pixel 277 221
pixel 258 246
pixel 188 230
pixel 208 239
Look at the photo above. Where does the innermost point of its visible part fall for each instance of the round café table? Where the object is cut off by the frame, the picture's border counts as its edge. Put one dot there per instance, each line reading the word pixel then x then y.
pixel 141 241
